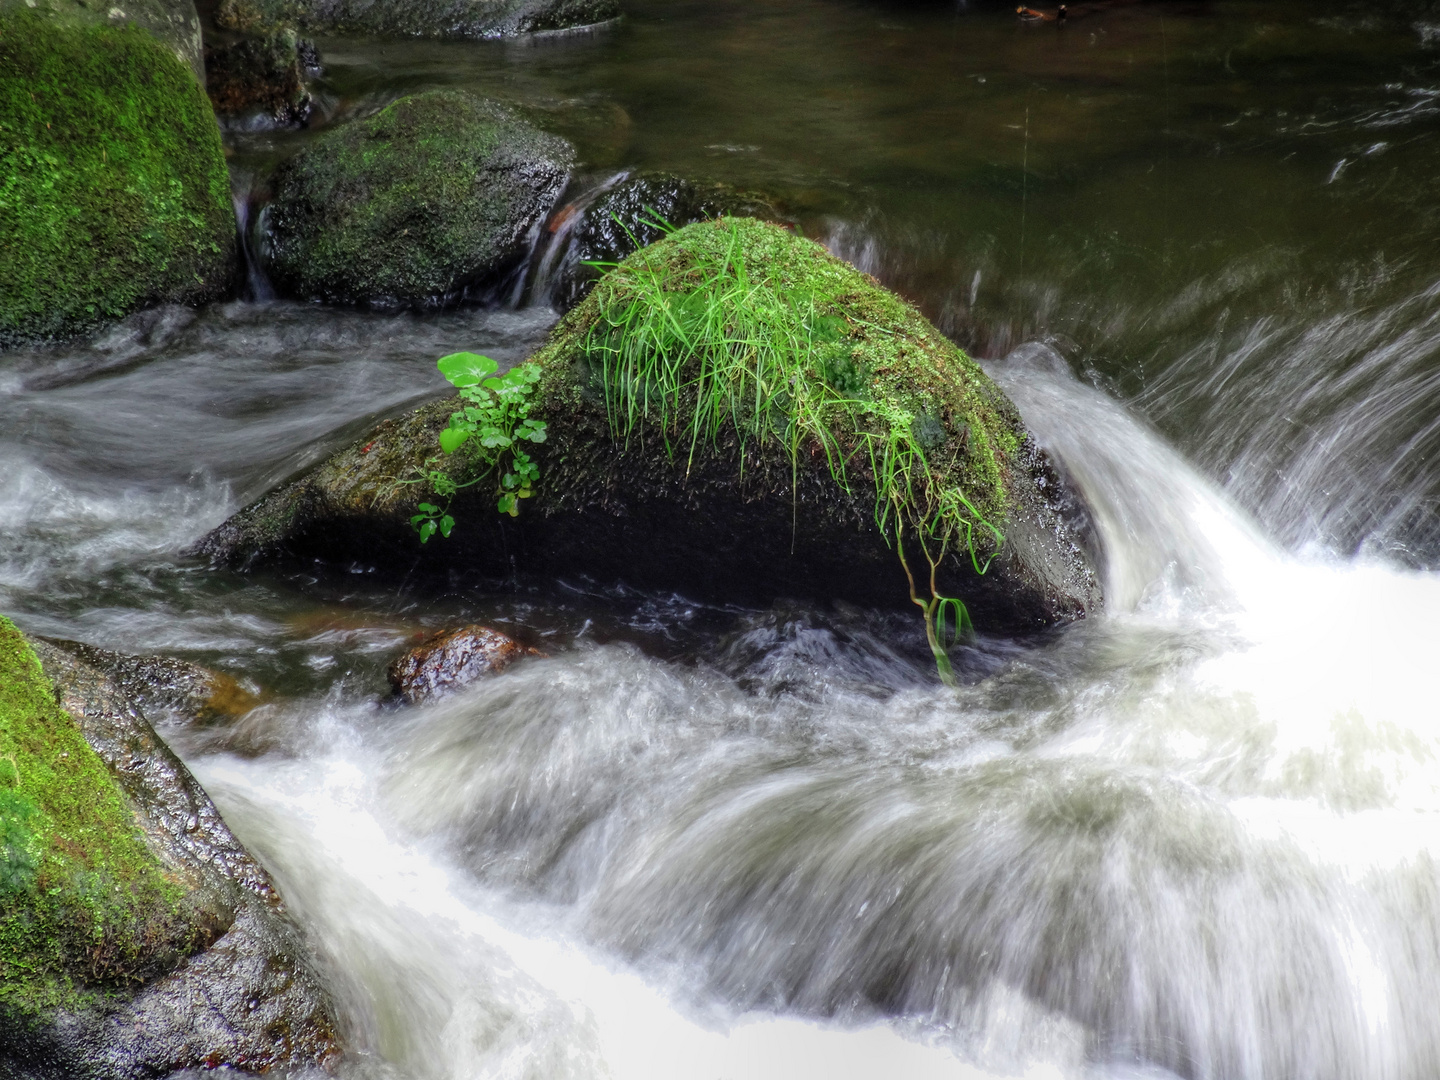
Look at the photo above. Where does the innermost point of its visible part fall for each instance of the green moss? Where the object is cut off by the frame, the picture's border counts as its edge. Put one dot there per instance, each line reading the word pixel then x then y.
pixel 85 906
pixel 882 371
pixel 113 189
pixel 408 208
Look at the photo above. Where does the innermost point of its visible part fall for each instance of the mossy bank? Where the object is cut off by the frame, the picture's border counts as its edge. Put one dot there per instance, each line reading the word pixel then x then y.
pixel 786 485
pixel 113 189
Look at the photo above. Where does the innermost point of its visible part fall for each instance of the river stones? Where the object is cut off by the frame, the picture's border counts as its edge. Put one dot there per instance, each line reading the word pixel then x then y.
pixel 718 515
pixel 418 18
pixel 452 659
pixel 137 936
pixel 429 201
pixel 114 194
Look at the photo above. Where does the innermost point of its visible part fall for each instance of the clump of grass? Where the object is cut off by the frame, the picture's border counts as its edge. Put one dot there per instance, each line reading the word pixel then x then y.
pixel 717 341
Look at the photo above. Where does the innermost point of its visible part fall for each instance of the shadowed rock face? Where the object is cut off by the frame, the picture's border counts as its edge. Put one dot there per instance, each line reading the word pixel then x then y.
pixel 629 213
pixel 417 207
pixel 419 18
pixel 721 525
pixel 260 77
pixel 249 998
pixel 452 659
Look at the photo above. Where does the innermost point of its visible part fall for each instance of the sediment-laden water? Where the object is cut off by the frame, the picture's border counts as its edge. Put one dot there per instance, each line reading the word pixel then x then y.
pixel 1194 836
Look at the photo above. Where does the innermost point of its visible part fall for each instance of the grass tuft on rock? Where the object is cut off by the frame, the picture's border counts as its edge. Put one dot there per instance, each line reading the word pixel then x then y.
pixel 736 330
pixel 113 189
pixel 85 905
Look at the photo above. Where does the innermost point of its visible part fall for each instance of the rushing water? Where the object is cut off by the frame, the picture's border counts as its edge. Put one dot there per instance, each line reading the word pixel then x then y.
pixel 1195 836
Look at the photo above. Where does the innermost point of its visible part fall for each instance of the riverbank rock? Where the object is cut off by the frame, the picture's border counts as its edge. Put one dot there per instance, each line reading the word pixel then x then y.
pixel 631 212
pixel 430 201
pixel 137 936
pixel 418 18
pixel 865 416
pixel 114 194
pixel 452 659
pixel 259 79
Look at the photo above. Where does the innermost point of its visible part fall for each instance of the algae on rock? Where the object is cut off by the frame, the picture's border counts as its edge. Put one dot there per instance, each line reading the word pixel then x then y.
pixel 113 189
pixel 432 197
pixel 85 905
pixel 775 493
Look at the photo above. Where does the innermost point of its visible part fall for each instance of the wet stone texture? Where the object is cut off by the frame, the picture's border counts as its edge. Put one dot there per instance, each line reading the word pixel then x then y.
pixel 433 200
pixel 452 659
pixel 251 1000
pixel 260 78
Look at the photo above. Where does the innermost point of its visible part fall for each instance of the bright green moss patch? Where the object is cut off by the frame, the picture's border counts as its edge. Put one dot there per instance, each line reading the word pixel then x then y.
pixel 740 327
pixel 113 189
pixel 85 906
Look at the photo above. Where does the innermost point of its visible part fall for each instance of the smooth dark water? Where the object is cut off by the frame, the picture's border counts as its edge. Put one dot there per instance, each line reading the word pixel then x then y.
pixel 1194 836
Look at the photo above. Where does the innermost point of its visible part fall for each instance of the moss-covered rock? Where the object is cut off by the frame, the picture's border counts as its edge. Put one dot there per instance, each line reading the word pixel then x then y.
pixel 729 514
pixel 425 203
pixel 174 23
pixel 113 189
pixel 87 906
pixel 418 18
pixel 137 936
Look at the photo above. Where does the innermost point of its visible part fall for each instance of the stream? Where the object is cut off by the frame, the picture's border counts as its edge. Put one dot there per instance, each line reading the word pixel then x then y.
pixel 1195 836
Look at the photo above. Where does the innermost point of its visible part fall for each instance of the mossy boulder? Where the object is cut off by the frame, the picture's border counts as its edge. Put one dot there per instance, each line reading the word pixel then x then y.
pixel 114 194
pixel 137 936
pixel 418 18
pixel 431 201
pixel 174 23
pixel 732 513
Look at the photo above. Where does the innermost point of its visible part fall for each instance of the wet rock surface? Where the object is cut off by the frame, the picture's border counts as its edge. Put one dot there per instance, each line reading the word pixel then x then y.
pixel 724 525
pixel 419 18
pixel 452 659
pixel 260 78
pixel 431 201
pixel 631 212
pixel 250 1000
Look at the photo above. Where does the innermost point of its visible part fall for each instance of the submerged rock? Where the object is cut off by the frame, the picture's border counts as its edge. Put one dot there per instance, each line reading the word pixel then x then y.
pixel 633 212
pixel 452 659
pixel 137 936
pixel 418 18
pixel 260 77
pixel 436 196
pixel 793 500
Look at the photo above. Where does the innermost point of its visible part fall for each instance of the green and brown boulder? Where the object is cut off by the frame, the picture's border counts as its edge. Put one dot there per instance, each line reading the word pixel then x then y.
pixel 788 488
pixel 432 200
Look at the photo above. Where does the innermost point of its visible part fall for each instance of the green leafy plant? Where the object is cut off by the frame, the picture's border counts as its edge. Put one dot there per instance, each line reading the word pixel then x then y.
pixel 494 421
pixel 713 350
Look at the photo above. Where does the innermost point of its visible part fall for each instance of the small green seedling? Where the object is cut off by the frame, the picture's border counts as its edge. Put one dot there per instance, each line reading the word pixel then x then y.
pixel 494 421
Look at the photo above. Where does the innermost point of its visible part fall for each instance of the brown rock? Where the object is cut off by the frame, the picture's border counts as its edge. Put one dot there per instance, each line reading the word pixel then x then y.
pixel 451 659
